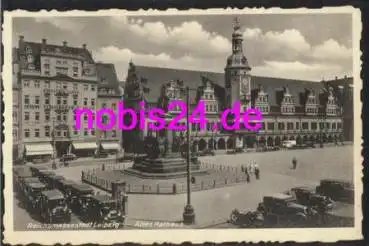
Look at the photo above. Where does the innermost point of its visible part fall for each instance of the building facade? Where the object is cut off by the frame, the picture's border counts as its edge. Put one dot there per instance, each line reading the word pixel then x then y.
pixel 292 109
pixel 54 80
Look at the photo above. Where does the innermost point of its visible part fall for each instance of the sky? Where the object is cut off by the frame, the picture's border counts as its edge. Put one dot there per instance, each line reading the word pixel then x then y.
pixel 295 46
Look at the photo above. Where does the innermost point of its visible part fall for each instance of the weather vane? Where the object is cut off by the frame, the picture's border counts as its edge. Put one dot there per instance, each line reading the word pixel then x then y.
pixel 236 24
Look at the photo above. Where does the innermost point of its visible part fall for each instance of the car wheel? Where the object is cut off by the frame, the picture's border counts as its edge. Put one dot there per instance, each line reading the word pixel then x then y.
pixel 234 218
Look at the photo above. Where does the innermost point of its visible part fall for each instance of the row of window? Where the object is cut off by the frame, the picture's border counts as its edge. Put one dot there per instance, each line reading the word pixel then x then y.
pixel 211 108
pixel 59 100
pixel 47 131
pixel 59 85
pixel 304 126
pixel 288 109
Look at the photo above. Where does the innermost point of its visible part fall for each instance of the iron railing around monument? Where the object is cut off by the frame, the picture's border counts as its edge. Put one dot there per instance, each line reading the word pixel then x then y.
pixel 234 175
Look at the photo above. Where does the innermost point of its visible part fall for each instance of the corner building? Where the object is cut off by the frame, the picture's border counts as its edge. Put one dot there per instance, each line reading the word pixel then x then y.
pixel 52 81
pixel 292 109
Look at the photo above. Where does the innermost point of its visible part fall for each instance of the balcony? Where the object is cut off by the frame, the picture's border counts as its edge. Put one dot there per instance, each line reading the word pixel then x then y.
pixel 47 91
pixel 61 92
pixel 30 72
pixel 61 108
pixel 31 106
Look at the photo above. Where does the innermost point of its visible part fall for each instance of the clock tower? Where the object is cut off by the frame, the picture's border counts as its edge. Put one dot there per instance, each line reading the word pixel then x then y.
pixel 237 73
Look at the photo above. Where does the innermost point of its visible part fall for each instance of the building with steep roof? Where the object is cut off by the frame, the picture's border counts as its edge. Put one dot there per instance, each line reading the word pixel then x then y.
pixel 292 109
pixel 54 80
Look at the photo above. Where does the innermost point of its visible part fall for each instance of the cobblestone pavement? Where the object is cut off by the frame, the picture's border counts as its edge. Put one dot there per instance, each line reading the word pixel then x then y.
pixel 214 206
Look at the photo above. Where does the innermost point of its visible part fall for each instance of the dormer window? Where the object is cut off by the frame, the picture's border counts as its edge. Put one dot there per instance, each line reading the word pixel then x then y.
pixel 30 59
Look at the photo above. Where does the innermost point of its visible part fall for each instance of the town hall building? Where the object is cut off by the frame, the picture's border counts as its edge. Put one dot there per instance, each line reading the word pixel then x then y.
pixel 292 109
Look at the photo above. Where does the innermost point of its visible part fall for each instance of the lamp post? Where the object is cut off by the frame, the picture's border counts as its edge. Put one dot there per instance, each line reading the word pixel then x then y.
pixel 189 211
pixel 54 144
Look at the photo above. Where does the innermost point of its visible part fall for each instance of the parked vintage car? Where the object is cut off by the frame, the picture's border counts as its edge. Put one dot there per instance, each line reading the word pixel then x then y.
pixel 247 219
pixel 36 169
pixel 53 207
pixel 79 197
pixel 68 157
pixel 207 152
pixel 19 174
pixel 103 209
pixel 64 185
pixel 52 181
pixel 283 209
pixel 308 197
pixel 44 175
pixel 101 155
pixel 32 193
pixel 338 190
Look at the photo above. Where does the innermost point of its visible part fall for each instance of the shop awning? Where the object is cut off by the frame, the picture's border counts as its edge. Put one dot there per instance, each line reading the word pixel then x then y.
pixel 85 145
pixel 110 146
pixel 39 149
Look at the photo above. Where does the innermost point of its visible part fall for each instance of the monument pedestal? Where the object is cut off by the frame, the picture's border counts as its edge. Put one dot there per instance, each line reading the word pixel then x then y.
pixel 167 164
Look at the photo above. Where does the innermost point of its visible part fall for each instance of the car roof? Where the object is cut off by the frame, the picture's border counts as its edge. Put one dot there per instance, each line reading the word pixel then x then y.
pixel 280 196
pixel 303 188
pixel 104 198
pixel 58 177
pixel 82 187
pixel 31 180
pixel 39 167
pixel 36 185
pixel 47 172
pixel 23 173
pixel 336 181
pixel 67 182
pixel 53 194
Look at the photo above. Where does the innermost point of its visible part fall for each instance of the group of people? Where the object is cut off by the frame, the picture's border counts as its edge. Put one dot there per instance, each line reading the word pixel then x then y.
pixel 251 169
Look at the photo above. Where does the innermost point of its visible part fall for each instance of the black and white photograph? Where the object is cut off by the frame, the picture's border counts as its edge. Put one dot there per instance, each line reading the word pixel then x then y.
pixel 177 126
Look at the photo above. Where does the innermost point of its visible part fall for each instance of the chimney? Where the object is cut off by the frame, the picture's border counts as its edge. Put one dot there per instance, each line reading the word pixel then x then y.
pixel 44 41
pixel 336 77
pixel 345 77
pixel 65 43
pixel 84 46
pixel 21 43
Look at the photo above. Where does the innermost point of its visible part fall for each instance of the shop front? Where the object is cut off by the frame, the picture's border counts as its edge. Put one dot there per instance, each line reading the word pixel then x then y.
pixel 111 147
pixel 84 149
pixel 39 152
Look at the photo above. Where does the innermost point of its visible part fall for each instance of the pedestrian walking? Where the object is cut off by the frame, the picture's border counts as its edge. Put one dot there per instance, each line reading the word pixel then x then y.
pixel 247 175
pixel 257 171
pixel 242 168
pixel 294 162
pixel 248 178
pixel 249 167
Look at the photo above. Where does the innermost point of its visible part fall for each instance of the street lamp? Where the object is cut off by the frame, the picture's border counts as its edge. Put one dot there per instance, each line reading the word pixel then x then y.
pixel 54 147
pixel 189 211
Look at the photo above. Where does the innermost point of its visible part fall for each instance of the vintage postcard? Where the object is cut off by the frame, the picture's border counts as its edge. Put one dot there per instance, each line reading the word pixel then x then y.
pixel 173 126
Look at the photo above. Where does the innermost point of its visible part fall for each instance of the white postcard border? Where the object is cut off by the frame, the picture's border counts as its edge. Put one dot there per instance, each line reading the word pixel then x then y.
pixel 189 235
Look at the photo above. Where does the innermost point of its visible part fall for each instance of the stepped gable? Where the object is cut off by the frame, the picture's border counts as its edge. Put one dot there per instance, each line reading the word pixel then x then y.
pixel 157 76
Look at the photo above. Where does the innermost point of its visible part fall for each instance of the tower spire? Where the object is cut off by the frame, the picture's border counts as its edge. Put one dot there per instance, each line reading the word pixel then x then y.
pixel 236 24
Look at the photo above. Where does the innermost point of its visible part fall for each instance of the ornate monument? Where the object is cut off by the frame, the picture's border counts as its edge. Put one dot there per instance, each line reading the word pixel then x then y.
pixel 159 160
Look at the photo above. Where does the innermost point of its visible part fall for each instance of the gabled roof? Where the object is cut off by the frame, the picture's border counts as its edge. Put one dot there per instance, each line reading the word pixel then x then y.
pixel 107 77
pixel 157 77
pixel 37 47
